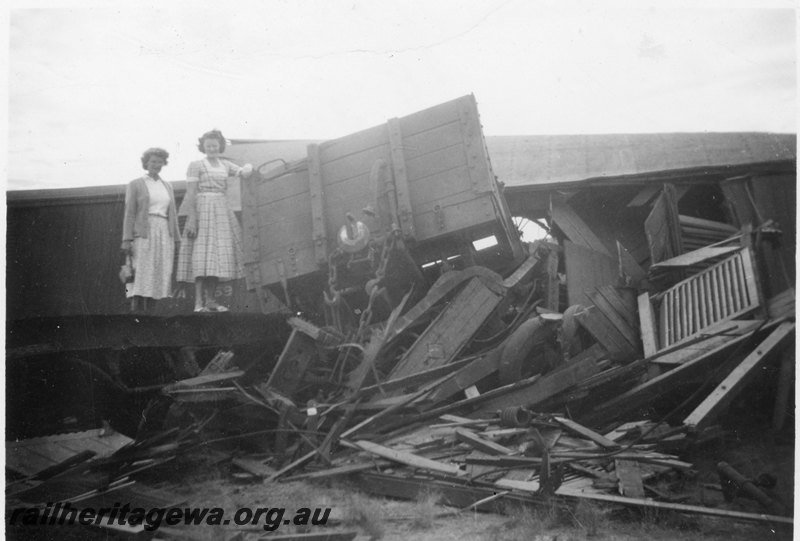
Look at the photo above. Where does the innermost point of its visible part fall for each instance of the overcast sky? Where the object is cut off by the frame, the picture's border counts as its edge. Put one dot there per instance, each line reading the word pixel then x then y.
pixel 92 84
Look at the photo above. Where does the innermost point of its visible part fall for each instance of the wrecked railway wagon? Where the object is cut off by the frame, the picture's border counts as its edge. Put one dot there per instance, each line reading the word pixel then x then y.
pixel 374 209
pixel 400 330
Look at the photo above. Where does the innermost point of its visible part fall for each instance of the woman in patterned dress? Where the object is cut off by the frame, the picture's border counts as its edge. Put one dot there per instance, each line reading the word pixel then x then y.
pixel 211 248
pixel 149 232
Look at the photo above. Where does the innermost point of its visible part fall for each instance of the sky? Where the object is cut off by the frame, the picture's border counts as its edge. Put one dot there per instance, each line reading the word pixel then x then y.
pixel 92 84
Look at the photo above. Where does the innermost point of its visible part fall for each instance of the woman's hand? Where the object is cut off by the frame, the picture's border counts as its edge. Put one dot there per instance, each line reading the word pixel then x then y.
pixel 190 230
pixel 127 247
pixel 246 171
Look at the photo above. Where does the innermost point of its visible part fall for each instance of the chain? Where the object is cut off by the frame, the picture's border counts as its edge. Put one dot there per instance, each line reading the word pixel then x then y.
pixel 375 286
pixel 333 297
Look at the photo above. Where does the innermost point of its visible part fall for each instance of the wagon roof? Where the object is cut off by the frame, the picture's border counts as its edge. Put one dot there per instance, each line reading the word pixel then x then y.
pixel 542 160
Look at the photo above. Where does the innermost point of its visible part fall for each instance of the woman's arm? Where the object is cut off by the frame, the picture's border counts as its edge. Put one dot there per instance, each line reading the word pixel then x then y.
pixel 129 218
pixel 190 204
pixel 241 172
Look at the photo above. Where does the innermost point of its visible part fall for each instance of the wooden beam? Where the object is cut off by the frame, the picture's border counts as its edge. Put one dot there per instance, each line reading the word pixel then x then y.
pixel 315 536
pixel 651 390
pixel 576 229
pixel 543 388
pixel 630 478
pixel 462 495
pixel 614 317
pixel 552 287
pixel 404 210
pixel 587 433
pixel 207 379
pixel 450 331
pixel 409 459
pixel 785 384
pixel 468 375
pixel 523 271
pixel 297 354
pixel 677 507
pixel 647 325
pixel 317 194
pixel 420 377
pixel 594 321
pixel 586 270
pixel 731 386
pixel 486 446
pixel 708 340
pixel 694 257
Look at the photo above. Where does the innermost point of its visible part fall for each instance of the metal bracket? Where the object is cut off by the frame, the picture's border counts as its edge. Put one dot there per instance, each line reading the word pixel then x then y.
pixel 315 185
pixel 400 178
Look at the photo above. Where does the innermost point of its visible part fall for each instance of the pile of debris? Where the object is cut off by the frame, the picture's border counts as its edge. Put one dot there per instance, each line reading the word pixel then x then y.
pixel 490 392
pixel 484 389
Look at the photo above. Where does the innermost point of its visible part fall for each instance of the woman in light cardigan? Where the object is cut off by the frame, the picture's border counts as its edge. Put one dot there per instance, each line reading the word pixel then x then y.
pixel 150 231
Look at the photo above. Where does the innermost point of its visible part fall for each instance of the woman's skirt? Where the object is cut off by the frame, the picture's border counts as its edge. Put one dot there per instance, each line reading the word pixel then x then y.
pixel 152 261
pixel 217 248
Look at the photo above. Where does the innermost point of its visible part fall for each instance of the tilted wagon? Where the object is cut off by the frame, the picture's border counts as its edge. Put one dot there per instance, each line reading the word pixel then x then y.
pixel 386 206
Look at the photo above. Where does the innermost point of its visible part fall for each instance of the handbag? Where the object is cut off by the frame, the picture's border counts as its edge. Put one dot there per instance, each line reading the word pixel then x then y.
pixel 126 271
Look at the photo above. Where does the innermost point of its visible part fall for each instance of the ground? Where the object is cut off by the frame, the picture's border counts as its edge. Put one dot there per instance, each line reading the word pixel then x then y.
pixel 424 519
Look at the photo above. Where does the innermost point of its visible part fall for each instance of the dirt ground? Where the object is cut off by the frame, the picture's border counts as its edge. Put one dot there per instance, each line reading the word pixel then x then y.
pixel 427 520
pixel 392 520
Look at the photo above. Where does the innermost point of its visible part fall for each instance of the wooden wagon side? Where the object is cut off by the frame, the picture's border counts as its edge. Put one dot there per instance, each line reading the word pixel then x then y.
pixel 436 168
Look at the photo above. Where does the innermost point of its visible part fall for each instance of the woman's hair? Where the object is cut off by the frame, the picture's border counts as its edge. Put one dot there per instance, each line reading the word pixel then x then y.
pixel 155 151
pixel 213 134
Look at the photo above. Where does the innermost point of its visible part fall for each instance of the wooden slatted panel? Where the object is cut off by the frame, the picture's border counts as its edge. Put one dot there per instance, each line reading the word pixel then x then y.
pixel 722 292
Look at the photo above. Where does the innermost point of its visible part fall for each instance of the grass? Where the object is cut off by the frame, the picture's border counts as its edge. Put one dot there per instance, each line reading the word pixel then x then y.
pixel 425 509
pixel 364 513
pixel 590 517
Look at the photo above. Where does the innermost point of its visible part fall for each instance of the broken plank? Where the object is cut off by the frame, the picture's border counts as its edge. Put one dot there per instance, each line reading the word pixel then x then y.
pixel 586 269
pixel 324 336
pixel 694 257
pixel 465 404
pixel 625 308
pixel 651 390
pixel 552 287
pixel 347 469
pixel 630 478
pixel 604 331
pixel 206 379
pixel 409 459
pixel 447 335
pixel 418 378
pixel 366 371
pixel 256 468
pixel 476 442
pixel 587 433
pixel 543 388
pixel 710 225
pixel 644 196
pixel 452 494
pixel 446 283
pixel 785 385
pixel 708 340
pixel 576 229
pixel 292 363
pixel 468 375
pixel 314 536
pixel 732 385
pixel 620 323
pixel 677 507
pixel 632 273
pixel 523 271
pixel 647 325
